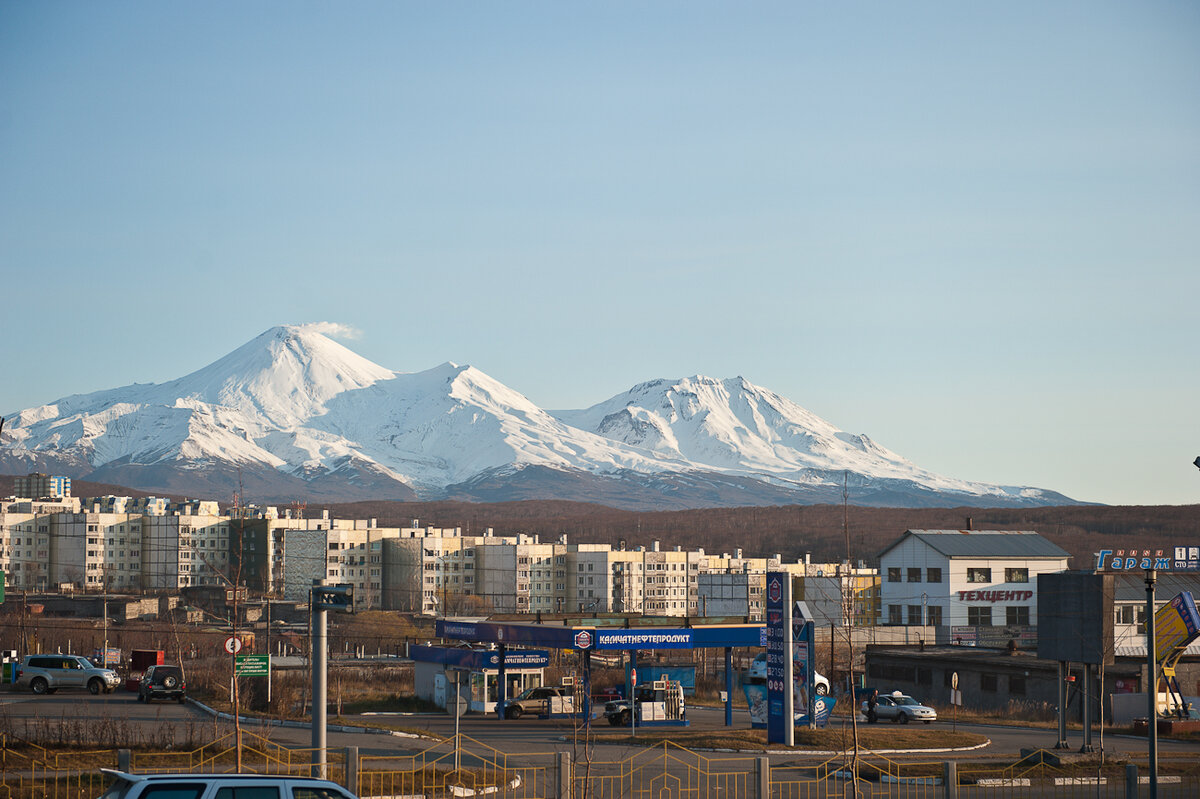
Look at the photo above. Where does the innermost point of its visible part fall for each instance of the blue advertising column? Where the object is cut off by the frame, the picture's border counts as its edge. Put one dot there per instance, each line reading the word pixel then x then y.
pixel 781 725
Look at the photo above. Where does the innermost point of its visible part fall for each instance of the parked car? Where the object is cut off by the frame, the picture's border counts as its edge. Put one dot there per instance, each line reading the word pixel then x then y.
pixel 209 786
pixel 45 674
pixel 902 708
pixel 162 682
pixel 757 673
pixel 542 699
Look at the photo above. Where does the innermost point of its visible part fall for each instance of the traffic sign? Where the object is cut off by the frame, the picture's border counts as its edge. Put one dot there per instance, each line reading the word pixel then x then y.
pixel 954 680
pixel 252 665
pixel 233 645
pixel 633 676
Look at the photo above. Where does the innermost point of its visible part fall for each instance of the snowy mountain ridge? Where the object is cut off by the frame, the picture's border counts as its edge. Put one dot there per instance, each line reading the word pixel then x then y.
pixel 295 414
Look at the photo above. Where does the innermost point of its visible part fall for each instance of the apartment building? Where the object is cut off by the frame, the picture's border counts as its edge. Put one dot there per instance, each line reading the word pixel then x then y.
pixel 41 486
pixel 151 544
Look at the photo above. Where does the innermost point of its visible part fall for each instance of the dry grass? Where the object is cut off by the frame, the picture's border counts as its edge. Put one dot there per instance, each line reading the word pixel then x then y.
pixel 831 739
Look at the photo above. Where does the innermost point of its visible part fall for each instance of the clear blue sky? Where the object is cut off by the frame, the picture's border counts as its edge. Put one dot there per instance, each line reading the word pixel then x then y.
pixel 967 230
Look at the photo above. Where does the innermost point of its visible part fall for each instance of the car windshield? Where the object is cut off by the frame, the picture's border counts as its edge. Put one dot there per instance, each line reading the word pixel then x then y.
pixel 528 692
pixel 906 700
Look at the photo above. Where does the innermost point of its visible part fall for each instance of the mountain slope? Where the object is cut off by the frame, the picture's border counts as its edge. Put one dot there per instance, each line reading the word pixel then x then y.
pixel 734 427
pixel 293 414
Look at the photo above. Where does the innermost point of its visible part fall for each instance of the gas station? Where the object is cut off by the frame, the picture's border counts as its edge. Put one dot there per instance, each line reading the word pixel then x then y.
pixel 604 635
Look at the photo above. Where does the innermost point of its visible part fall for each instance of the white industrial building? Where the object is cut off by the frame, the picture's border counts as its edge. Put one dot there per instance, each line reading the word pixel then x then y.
pixel 965 578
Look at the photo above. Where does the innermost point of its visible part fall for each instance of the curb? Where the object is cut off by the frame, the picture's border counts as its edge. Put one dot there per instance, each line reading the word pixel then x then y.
pixel 299 724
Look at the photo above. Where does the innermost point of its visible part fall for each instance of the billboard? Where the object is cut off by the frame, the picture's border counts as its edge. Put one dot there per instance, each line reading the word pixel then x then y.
pixel 1176 624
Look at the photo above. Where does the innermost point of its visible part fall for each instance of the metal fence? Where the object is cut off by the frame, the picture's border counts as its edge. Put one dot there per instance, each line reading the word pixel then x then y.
pixel 464 767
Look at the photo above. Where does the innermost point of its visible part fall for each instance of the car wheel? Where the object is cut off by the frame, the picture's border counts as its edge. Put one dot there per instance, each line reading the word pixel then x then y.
pixel 39 686
pixel 624 718
pixel 95 686
pixel 821 690
pixel 182 699
pixel 514 713
pixel 169 681
pixel 141 698
pixel 903 718
pixel 928 721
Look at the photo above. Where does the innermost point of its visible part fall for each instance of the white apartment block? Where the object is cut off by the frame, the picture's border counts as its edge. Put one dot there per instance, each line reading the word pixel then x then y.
pixel 150 544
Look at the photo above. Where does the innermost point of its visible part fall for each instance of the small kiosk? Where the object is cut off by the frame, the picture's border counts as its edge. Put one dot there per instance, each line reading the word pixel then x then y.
pixel 437 670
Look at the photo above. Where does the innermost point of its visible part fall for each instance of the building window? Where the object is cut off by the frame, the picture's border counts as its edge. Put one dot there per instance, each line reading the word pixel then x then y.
pixel 914 575
pixel 979 575
pixel 894 614
pixel 988 682
pixel 1017 614
pixel 893 574
pixel 933 615
pixel 933 575
pixel 1016 575
pixel 914 615
pixel 979 617
pixel 1016 686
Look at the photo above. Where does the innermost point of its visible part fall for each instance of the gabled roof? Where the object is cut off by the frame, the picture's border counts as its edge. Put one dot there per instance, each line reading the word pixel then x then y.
pixel 984 544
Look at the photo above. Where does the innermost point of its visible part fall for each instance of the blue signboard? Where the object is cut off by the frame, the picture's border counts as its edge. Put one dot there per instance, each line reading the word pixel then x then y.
pixel 822 707
pixel 780 723
pixel 478 659
pixel 1177 559
pixel 644 639
pixel 559 637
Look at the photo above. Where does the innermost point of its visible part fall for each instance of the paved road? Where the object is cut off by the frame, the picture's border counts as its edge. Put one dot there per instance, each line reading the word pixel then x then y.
pixel 119 714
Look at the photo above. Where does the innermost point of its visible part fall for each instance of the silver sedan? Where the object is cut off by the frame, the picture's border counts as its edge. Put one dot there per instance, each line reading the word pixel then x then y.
pixel 902 708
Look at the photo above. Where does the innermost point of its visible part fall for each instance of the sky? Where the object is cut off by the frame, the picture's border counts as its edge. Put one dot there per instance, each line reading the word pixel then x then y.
pixel 970 231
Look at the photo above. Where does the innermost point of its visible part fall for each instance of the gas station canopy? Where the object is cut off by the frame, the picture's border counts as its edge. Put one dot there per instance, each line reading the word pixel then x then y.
pixel 592 638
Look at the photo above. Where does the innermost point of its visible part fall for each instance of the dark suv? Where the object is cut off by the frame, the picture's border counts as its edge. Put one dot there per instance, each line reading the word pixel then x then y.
pixel 162 682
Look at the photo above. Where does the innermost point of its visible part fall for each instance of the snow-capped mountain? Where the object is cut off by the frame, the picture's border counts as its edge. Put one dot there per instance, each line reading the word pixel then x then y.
pixel 295 415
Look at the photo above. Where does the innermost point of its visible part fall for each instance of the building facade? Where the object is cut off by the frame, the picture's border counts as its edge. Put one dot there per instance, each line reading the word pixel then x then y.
pixel 965 578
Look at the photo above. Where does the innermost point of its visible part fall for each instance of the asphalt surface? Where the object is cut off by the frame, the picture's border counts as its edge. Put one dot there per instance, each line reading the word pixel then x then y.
pixel 119 716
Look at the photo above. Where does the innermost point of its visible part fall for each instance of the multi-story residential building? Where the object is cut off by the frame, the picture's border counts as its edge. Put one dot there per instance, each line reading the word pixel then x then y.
pixel 25 550
pixel 150 544
pixel 41 486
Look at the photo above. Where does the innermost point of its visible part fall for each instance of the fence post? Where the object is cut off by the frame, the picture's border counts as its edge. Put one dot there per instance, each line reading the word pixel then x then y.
pixel 124 760
pixel 351 782
pixel 762 778
pixel 1131 781
pixel 565 779
pixel 949 779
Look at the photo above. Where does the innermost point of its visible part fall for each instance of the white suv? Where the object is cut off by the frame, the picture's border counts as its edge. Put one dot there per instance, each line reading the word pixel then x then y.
pixel 220 786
